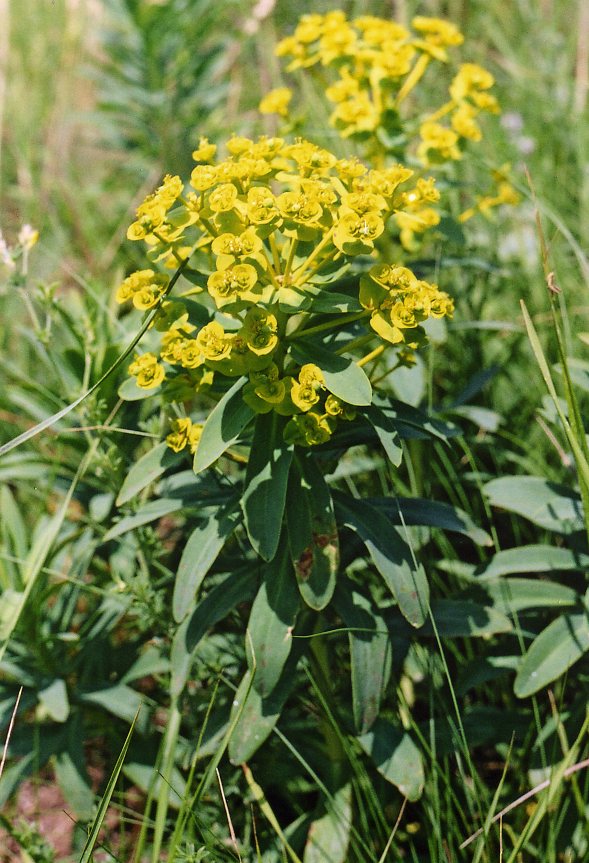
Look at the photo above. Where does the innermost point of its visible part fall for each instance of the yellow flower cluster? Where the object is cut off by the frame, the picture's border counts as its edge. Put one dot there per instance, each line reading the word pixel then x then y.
pixel 262 235
pixel 399 302
pixel 184 433
pixel 143 288
pixel 378 63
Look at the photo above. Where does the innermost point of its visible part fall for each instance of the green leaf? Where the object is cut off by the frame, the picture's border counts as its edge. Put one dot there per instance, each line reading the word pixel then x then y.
pixel 312 532
pixel 272 618
pixel 511 595
pixel 105 799
pixel 150 662
pixel 387 434
pixel 329 834
pixel 370 653
pixel 411 422
pixel 120 700
pixel 547 504
pixel 396 757
pixel 266 479
pixel 235 588
pixel 343 376
pixel 258 715
pixel 557 647
pixel 130 392
pixel 152 511
pixel 223 427
pixel 532 558
pixel 457 618
pixel 54 699
pixel 200 552
pixel 390 554
pixel 330 302
pixel 147 469
pixel 430 513
pixel 74 784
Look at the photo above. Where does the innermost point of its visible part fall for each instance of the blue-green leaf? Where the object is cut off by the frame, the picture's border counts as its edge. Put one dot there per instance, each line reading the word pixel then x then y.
pixel 557 647
pixel 223 427
pixel 370 653
pixel 235 588
pixel 200 552
pixel 343 376
pixel 147 469
pixel 390 554
pixel 430 513
pixel 396 757
pixel 259 715
pixel 547 504
pixel 54 699
pixel 312 532
pixel 387 434
pixel 272 618
pixel 130 392
pixel 329 834
pixel 151 511
pixel 266 479
pixel 532 558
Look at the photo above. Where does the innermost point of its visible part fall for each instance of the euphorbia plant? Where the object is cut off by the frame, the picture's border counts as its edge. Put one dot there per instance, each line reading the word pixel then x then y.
pixel 295 304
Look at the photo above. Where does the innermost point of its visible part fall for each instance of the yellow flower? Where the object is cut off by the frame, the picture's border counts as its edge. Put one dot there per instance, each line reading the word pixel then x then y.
pixel 276 101
pixel 213 343
pixel 441 140
pixel 355 234
pixel 260 331
pixel 205 152
pixel 464 123
pixel 148 372
pixel 180 434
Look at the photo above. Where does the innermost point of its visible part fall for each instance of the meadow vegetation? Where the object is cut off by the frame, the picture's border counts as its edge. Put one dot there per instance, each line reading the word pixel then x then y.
pixel 294 480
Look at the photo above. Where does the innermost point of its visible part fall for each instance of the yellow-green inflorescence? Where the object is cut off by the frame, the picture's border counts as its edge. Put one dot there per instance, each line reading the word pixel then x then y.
pixel 376 65
pixel 269 223
pixel 264 233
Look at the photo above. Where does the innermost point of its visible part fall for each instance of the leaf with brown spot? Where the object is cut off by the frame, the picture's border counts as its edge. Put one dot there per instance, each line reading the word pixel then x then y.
pixel 312 532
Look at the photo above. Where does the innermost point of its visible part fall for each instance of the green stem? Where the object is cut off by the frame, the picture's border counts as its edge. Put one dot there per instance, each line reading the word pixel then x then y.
pixel 291 253
pixel 340 321
pixel 355 343
pixel 316 251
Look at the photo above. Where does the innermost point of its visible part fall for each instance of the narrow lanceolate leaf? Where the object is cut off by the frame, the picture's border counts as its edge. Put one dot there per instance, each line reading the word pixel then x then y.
pixel 547 504
pixel 390 554
pixel 342 376
pixel 396 757
pixel 257 716
pixel 146 470
pixel 223 427
pixel 272 618
pixel 312 532
pixel 431 513
pixel 329 834
pixel 532 558
pixel 266 479
pixel 152 511
pixel 235 588
pixel 387 434
pixel 200 552
pixel 511 595
pixel 557 647
pixel 370 652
